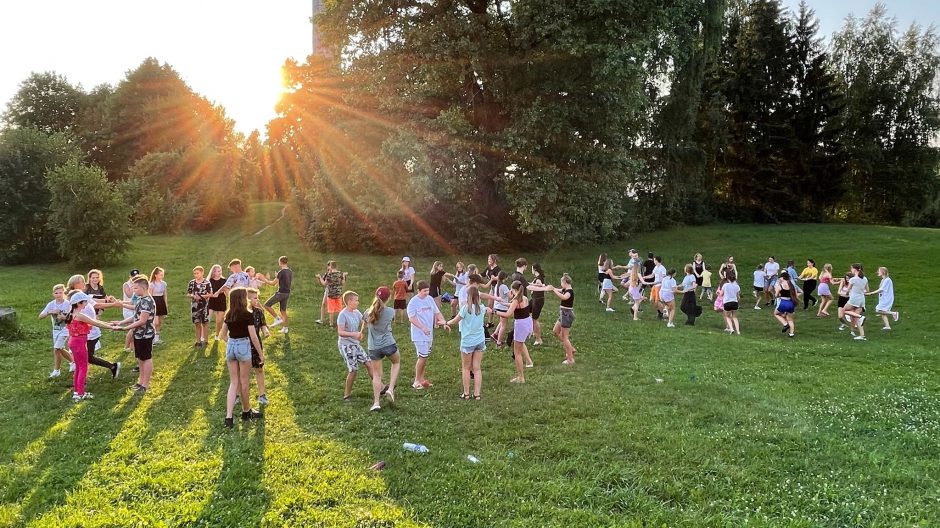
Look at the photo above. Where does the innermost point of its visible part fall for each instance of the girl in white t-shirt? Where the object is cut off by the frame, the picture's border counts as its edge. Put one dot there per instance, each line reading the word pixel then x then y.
pixel 667 294
pixel 854 308
pixel 885 293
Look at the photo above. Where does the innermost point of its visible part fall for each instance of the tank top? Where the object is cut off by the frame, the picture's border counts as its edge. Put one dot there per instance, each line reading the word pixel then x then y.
pixel 217 283
pixel 699 267
pixel 569 302
pixel 540 280
pixel 784 294
pixel 78 328
pixel 825 279
pixel 522 313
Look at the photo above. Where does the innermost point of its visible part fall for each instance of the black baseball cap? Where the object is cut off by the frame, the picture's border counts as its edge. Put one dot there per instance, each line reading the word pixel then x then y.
pixel 135 272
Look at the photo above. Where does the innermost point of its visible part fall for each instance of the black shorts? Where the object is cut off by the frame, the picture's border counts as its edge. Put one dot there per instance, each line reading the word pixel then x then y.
pixel 731 306
pixel 401 304
pixel 280 298
pixel 537 305
pixel 143 348
pixel 843 301
pixel 758 289
pixel 160 302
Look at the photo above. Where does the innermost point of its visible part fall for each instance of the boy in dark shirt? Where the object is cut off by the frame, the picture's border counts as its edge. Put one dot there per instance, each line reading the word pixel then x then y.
pixel 283 280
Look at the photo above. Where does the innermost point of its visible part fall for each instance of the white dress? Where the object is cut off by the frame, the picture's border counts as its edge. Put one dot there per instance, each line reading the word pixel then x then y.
pixel 886 295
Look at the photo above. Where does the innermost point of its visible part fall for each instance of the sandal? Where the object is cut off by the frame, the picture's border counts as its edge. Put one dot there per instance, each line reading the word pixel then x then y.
pixel 476 397
pixel 464 396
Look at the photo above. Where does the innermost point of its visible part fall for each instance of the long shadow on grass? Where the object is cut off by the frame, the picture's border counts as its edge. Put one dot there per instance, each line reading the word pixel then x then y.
pixel 239 498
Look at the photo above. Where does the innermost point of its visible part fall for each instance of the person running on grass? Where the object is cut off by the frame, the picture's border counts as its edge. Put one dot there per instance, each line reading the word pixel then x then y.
pixel 382 343
pixel 656 280
pixel 825 291
pixel 885 294
pixel 58 308
pixel 240 335
pixel 470 317
pixel 522 327
pixel 634 288
pixel 283 280
pixel 785 292
pixel 854 311
pixel 731 292
pixel 199 291
pixel 562 329
pixel 601 275
pixel 760 284
pixel 809 276
pixel 843 291
pixel 79 325
pixel 424 315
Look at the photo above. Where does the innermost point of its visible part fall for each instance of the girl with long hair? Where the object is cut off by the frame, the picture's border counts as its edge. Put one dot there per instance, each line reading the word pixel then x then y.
pixel 472 341
pixel 239 332
pixel 785 293
pixel 158 292
pixel 825 291
pixel 217 301
pixel 522 327
pixel 379 318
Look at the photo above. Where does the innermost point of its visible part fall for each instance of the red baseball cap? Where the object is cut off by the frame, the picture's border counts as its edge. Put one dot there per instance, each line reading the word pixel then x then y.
pixel 383 293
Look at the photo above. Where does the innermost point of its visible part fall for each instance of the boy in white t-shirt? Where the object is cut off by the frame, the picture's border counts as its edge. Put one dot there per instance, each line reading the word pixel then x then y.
pixel 58 308
pixel 760 282
pixel 424 315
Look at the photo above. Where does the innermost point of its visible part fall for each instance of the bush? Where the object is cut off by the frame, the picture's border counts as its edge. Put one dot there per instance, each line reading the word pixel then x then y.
pixel 89 216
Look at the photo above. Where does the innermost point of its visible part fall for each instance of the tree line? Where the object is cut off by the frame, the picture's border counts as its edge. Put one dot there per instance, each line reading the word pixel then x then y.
pixel 484 124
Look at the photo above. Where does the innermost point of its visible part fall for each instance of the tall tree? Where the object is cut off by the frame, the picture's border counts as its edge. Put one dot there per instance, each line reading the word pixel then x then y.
pixel 47 102
pixel 892 117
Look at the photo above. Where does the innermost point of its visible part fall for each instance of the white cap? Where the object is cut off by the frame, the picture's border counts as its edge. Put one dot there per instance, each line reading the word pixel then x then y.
pixel 77 298
pixel 406 259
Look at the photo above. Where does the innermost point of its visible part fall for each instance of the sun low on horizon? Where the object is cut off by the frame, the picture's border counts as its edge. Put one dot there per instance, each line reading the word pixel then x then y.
pixel 229 52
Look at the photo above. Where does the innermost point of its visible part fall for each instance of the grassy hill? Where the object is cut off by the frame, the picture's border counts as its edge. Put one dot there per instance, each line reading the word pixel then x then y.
pixel 759 429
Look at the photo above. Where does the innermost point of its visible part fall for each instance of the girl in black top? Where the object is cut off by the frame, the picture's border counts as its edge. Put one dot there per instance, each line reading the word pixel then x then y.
pixel 241 336
pixel 437 277
pixel 95 287
pixel 217 302
pixel 538 302
pixel 565 316
pixel 522 327
pixel 490 274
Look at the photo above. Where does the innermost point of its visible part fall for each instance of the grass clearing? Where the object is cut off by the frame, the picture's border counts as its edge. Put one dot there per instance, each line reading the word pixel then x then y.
pixel 756 429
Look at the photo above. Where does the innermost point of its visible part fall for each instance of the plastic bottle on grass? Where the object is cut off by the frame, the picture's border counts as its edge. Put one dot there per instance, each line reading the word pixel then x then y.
pixel 415 448
pixel 473 459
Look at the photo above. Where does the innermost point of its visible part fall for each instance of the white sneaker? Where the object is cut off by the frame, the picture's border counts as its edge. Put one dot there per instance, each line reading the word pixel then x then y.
pixel 841 327
pixel 284 330
pixel 848 319
pixel 852 333
pixel 610 309
pixel 319 321
pixel 88 396
pixel 536 343
pixel 55 374
pixel 860 338
pixel 729 330
pixel 757 307
pixel 71 367
pixel 277 321
pixel 896 316
pixel 670 325
pixel 886 328
pixel 76 397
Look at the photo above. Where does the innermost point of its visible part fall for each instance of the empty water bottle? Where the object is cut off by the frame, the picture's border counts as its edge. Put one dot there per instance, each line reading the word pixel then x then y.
pixel 473 459
pixel 415 448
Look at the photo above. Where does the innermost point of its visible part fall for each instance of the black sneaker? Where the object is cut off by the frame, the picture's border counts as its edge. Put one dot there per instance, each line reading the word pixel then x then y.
pixel 116 370
pixel 230 423
pixel 136 368
pixel 784 329
pixel 250 415
pixel 384 390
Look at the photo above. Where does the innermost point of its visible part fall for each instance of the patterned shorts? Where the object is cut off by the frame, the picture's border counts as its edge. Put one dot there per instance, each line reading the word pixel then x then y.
pixel 200 312
pixel 354 356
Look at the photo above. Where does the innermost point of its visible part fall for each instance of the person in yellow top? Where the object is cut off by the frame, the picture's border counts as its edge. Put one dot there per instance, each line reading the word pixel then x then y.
pixel 808 276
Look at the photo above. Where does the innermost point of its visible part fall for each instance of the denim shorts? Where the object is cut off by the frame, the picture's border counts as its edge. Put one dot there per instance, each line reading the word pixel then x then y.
pixel 479 347
pixel 384 352
pixel 238 349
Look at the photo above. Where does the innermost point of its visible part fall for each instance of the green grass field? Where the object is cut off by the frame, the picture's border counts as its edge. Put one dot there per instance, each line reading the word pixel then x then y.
pixel 756 430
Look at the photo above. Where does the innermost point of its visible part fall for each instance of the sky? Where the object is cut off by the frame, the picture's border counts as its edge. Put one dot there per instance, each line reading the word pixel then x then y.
pixel 229 51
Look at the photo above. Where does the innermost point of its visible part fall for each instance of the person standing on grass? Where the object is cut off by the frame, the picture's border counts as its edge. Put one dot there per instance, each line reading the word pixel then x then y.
pixel 601 275
pixel 334 279
pixel 216 301
pixel 283 279
pixel 79 325
pixel 472 341
pixel 423 314
pixel 522 327
pixel 689 305
pixel 459 280
pixel 726 266
pixel 58 308
pixel 199 291
pixel 791 270
pixel 786 303
pixel 408 275
pixel 323 301
pixel 634 288
pixel 500 305
pixel 143 332
pixel 885 294
pixel 809 276
pixel 760 284
pixel 854 311
pixel 94 287
pixel 538 302
pixel 646 276
pixel 698 269
pixel 562 328
pixel 667 294
pixel 382 343
pixel 240 335
pixel 731 292
pixel 491 274
pixel 771 269
pixel 825 291
pixel 609 280
pixel 656 280
pixel 257 354
pixel 129 295
pixel 437 279
pixel 400 287
pixel 158 292
pixel 719 304
pixel 92 308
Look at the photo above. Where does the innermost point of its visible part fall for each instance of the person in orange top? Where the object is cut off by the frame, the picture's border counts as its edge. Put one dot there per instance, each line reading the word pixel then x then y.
pixel 400 287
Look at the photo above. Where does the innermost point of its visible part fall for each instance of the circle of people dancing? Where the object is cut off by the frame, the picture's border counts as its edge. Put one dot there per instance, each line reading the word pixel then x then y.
pixel 481 307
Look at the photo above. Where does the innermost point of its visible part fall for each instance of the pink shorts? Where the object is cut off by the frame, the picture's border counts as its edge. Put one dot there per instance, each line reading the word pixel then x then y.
pixel 522 329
